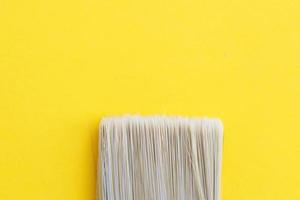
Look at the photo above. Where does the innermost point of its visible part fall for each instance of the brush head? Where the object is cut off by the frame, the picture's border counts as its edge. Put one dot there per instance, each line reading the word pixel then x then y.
pixel 160 158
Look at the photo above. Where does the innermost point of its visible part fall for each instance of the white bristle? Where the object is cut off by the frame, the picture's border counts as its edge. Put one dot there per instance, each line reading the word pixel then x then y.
pixel 160 158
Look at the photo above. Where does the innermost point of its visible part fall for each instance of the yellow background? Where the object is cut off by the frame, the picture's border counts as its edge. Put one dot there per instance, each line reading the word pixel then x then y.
pixel 64 64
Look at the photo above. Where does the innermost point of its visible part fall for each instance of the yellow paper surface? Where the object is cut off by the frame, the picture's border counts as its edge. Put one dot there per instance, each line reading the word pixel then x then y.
pixel 65 64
